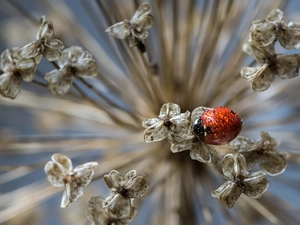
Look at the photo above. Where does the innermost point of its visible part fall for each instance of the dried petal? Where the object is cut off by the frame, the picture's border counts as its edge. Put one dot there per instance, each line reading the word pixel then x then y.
pixel 119 30
pixel 86 68
pixel 228 194
pixel 56 44
pixel 95 212
pixel 65 200
pixel 51 54
pixel 263 33
pixel 47 31
pixel 260 78
pixel 7 58
pixel 10 85
pixel 130 175
pixel 183 145
pixel 201 152
pixel 180 127
pixel 114 179
pixel 150 122
pixel 276 15
pixel 287 66
pixel 74 53
pixel 256 184
pixel 137 186
pixel 271 142
pixel 261 54
pixel 251 158
pixel 30 50
pixel 233 165
pixel 156 132
pixel 169 110
pixel 27 69
pixel 63 161
pixel 117 206
pixel 143 9
pixel 241 144
pixel 289 36
pixel 56 174
pixel 272 163
pixel 59 81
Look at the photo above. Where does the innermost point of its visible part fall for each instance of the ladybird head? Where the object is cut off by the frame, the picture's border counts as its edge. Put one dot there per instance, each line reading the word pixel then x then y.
pixel 200 130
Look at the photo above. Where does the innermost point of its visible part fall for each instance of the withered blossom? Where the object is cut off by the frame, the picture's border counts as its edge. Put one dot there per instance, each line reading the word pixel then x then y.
pixel 239 181
pixel 122 191
pixel 14 72
pixel 60 173
pixel 99 216
pixel 170 124
pixel 136 29
pixel 275 27
pixel 270 160
pixel 74 62
pixel 44 45
pixel 271 65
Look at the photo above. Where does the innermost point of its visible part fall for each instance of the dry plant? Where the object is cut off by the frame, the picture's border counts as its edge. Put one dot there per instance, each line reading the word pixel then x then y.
pixel 132 112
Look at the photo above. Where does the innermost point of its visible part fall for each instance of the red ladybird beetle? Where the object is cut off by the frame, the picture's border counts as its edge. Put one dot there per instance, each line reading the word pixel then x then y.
pixel 218 126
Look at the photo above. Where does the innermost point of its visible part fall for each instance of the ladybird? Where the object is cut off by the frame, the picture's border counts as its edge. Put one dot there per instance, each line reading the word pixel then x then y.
pixel 217 126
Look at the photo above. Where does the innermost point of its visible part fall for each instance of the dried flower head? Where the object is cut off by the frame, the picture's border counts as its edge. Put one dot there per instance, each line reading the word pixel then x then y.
pixel 74 62
pixel 272 65
pixel 136 29
pixel 60 173
pixel 275 27
pixel 14 71
pixel 99 216
pixel 44 45
pixel 239 181
pixel 270 160
pixel 123 189
pixel 170 124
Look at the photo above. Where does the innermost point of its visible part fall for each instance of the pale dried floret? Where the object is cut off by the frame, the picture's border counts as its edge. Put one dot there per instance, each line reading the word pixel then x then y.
pixel 99 216
pixel 60 173
pixel 270 160
pixel 262 32
pixel 239 181
pixel 170 124
pixel 275 27
pixel 260 53
pixel 74 62
pixel 14 71
pixel 123 190
pixel 44 45
pixel 261 77
pixel 136 29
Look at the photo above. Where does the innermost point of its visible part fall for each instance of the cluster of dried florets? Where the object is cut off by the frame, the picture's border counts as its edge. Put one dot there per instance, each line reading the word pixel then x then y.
pixel 21 64
pixel 116 209
pixel 219 126
pixel 136 29
pixel 60 173
pixel 235 168
pixel 263 35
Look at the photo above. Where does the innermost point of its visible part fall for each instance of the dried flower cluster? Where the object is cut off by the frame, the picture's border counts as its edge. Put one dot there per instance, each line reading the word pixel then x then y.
pixel 136 29
pixel 60 173
pixel 262 38
pixel 117 208
pixel 21 64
